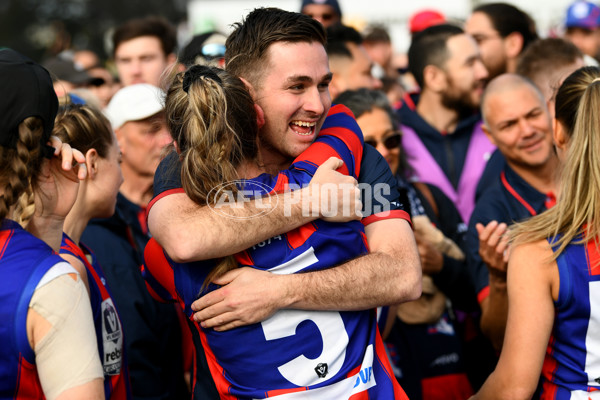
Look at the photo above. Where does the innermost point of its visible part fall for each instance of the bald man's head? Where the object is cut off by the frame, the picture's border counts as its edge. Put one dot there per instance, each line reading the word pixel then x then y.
pixel 517 121
pixel 503 84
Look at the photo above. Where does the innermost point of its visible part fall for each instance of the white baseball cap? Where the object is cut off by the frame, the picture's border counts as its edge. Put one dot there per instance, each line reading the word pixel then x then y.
pixel 134 103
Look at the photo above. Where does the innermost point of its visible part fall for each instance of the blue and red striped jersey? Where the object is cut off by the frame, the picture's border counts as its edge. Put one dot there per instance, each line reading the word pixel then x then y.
pixel 24 260
pixel 294 354
pixel 571 369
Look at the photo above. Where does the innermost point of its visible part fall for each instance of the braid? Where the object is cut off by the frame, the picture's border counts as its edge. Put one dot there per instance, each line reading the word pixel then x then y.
pixel 20 165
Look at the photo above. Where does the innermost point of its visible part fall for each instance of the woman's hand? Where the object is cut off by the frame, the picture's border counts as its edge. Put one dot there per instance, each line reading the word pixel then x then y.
pixel 55 192
pixel 58 182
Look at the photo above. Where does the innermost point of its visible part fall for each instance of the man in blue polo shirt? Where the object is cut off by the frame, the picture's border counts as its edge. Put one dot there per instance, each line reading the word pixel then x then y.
pixel 517 121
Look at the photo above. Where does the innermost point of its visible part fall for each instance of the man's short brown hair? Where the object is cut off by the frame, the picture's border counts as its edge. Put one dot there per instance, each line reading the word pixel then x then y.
pixel 157 27
pixel 247 45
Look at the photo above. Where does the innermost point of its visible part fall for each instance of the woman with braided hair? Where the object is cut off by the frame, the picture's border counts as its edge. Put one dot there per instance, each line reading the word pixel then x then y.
pixel 49 347
pixel 554 267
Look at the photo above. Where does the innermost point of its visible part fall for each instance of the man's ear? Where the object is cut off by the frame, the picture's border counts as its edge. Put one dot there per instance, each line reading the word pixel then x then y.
pixel 513 44
pixel 434 78
pixel 91 163
pixel 260 116
pixel 249 87
pixel 489 135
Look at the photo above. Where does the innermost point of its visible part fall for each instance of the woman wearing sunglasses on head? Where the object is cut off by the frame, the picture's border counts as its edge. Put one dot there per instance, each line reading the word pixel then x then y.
pixel 424 329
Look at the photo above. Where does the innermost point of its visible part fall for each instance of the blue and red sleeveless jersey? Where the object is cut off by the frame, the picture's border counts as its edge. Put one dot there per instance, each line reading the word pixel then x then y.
pixel 24 259
pixel 571 369
pixel 294 354
pixel 109 330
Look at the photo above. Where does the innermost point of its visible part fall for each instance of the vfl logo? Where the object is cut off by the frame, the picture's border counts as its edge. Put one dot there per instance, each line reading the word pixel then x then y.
pixel 110 319
pixel 321 370
pixel 110 323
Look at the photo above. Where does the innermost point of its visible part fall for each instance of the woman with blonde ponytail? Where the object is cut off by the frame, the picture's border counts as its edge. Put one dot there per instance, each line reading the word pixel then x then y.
pixel 554 267
pixel 214 123
pixel 48 343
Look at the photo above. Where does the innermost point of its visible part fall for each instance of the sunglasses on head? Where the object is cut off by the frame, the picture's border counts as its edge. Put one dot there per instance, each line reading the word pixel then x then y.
pixel 391 142
pixel 213 50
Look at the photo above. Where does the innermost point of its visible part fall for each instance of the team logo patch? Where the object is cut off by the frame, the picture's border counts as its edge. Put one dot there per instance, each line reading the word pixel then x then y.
pixel 112 339
pixel 322 370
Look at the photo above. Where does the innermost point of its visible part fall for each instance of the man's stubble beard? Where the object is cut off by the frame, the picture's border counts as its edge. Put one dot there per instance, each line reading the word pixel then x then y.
pixel 460 102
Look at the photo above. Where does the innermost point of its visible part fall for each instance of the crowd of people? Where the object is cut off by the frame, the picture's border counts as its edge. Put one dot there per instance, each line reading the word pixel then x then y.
pixel 421 231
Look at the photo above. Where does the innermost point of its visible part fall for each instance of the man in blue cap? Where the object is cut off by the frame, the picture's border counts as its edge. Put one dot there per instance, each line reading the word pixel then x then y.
pixel 583 27
pixel 327 12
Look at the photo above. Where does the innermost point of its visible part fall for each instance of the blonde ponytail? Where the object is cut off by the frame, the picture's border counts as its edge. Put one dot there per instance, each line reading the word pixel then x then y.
pixel 211 117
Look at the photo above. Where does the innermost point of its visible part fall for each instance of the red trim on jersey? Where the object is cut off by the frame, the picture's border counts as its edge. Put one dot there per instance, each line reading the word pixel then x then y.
pixel 28 381
pixel 117 383
pixel 143 219
pixel 299 236
pixel 244 258
pixel 160 196
pixel 408 101
pixel 5 236
pixel 352 142
pixel 550 200
pixel 383 359
pixel 320 152
pixel 72 247
pixel 164 275
pixel 548 371
pixel 516 195
pixel 340 109
pixel 154 295
pixel 401 214
pixel 280 184
pixel 593 256
pixel 215 368
pixel 277 392
pixel 365 241
pixel 350 137
pixel 483 294
pixel 187 341
pixel 354 371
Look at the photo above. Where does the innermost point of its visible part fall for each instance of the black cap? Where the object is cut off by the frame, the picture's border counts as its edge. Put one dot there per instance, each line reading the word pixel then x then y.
pixel 203 48
pixel 67 70
pixel 25 91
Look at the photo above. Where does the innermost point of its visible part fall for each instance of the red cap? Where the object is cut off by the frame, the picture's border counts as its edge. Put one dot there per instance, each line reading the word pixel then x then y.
pixel 424 19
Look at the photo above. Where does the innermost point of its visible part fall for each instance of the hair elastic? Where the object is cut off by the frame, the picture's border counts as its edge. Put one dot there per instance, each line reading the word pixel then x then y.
pixel 198 71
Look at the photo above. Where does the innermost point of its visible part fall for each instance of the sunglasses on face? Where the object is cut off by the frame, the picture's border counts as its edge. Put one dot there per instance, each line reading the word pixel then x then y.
pixel 391 142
